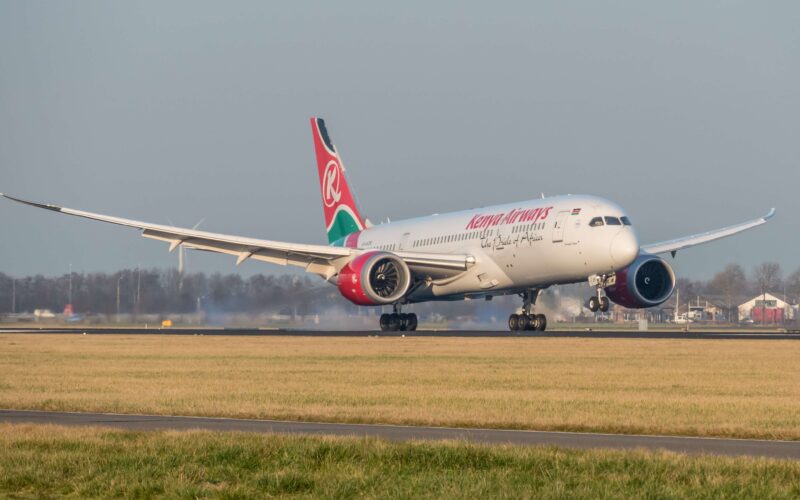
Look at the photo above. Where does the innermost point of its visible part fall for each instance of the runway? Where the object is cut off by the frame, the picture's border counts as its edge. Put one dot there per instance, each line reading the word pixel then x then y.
pixel 690 445
pixel 604 334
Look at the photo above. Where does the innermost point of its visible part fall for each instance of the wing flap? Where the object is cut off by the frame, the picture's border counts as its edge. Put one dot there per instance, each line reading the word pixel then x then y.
pixel 276 252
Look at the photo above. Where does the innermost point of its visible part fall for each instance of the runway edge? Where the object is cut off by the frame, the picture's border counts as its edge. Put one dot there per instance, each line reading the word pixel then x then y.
pixel 678 444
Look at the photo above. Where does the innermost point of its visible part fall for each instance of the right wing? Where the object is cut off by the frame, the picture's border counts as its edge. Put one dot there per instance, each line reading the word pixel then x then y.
pixel 323 260
pixel 673 246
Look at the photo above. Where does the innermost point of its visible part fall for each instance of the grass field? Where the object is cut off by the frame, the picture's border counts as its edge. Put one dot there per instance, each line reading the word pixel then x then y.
pixel 49 461
pixel 689 387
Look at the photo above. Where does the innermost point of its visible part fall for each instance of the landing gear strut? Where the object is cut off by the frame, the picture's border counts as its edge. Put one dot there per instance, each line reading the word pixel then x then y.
pixel 527 320
pixel 600 302
pixel 398 321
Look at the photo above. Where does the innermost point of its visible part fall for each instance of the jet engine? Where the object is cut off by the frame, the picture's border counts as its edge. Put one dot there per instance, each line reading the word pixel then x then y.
pixel 647 282
pixel 374 278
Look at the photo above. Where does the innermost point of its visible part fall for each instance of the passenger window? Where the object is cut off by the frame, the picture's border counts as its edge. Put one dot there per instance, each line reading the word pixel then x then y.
pixel 625 220
pixel 613 221
pixel 596 222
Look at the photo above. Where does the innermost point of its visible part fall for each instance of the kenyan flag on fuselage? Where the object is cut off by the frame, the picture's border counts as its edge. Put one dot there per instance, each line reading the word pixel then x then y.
pixel 341 214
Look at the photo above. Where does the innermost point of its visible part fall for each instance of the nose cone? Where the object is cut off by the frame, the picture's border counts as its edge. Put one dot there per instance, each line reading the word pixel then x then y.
pixel 624 248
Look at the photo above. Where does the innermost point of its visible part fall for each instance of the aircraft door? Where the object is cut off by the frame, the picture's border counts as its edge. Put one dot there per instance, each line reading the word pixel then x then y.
pixel 404 241
pixel 558 228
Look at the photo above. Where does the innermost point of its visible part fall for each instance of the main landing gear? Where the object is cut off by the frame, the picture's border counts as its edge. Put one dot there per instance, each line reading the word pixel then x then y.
pixel 526 320
pixel 398 321
pixel 600 302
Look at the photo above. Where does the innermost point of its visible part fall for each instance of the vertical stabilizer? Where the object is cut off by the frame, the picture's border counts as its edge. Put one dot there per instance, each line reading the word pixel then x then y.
pixel 338 204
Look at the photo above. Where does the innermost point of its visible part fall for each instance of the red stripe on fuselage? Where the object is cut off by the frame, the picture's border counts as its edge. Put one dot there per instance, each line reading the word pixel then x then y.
pixel 352 240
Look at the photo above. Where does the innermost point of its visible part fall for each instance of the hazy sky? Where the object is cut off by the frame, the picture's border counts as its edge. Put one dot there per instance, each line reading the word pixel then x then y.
pixel 685 113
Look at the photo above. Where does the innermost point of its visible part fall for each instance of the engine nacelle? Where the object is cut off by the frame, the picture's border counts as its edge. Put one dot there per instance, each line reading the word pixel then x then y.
pixel 647 282
pixel 374 278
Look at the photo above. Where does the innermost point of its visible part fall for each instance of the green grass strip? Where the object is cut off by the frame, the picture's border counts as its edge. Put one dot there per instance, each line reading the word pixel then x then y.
pixel 49 461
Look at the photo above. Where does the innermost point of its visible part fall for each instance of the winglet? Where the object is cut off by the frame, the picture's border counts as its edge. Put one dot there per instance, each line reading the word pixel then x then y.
pixel 32 203
pixel 770 214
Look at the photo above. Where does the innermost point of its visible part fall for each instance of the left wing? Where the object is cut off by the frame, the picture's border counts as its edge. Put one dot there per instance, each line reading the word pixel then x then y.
pixel 673 246
pixel 318 259
pixel 323 260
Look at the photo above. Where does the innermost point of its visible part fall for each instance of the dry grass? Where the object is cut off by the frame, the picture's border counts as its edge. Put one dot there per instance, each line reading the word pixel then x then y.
pixel 690 387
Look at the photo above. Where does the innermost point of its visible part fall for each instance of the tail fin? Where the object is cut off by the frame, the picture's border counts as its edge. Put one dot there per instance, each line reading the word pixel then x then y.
pixel 341 214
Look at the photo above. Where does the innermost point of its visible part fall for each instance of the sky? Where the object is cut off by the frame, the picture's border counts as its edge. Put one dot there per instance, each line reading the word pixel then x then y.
pixel 684 113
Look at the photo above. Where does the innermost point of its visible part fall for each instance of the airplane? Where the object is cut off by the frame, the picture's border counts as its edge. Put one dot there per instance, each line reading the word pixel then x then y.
pixel 517 248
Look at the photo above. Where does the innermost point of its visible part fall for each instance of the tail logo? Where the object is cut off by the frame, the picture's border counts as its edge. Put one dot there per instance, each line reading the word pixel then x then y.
pixel 331 182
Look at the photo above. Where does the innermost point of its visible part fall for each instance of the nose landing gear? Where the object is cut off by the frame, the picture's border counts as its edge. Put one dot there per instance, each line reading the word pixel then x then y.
pixel 398 321
pixel 526 320
pixel 600 302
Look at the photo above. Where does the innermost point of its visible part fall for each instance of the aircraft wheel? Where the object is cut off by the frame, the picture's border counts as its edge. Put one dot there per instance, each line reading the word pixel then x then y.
pixel 542 322
pixel 604 304
pixel 594 304
pixel 393 322
pixel 513 322
pixel 411 326
pixel 403 321
pixel 523 322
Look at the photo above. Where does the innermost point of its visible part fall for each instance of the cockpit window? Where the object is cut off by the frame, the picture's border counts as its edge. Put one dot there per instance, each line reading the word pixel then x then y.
pixel 625 220
pixel 613 221
pixel 597 221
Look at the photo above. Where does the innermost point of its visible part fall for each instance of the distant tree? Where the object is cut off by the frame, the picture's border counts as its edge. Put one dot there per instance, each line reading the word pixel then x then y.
pixel 792 284
pixel 767 276
pixel 729 284
pixel 689 289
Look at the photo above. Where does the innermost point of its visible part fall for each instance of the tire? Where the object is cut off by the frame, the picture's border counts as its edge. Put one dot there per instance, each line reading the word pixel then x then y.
pixel 403 322
pixel 594 304
pixel 542 320
pixel 412 323
pixel 604 304
pixel 393 323
pixel 523 322
pixel 513 322
pixel 533 322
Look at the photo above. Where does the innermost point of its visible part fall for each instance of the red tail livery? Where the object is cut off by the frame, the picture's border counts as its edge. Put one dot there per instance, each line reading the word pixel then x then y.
pixel 341 214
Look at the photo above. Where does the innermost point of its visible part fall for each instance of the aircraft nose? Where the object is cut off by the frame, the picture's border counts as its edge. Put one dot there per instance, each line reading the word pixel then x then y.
pixel 624 248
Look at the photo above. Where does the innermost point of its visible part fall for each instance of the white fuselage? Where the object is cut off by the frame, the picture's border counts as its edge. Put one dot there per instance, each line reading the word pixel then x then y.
pixel 516 246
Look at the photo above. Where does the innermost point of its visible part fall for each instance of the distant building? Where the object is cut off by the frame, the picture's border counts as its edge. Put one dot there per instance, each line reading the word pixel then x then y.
pixel 767 308
pixel 698 309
